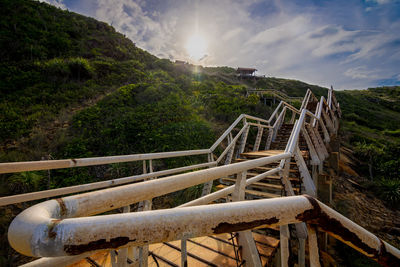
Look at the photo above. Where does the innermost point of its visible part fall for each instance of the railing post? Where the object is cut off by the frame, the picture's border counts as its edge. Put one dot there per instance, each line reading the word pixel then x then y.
pixel 307 180
pixel 315 160
pixel 319 141
pixel 245 238
pixel 302 252
pixel 243 139
pixel 229 155
pixel 284 245
pixel 327 138
pixel 258 138
pixel 328 122
pixel 140 254
pixel 313 246
pixel 292 119
pixel 184 252
pixel 269 138
pixel 316 143
pixel 208 185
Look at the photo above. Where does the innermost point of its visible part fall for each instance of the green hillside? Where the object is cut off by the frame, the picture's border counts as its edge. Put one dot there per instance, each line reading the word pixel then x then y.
pixel 71 86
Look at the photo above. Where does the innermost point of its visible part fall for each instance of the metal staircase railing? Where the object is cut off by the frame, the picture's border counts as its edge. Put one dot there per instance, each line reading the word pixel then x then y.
pixel 62 231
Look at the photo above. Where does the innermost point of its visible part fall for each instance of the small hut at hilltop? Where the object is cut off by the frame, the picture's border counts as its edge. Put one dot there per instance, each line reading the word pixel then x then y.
pixel 246 72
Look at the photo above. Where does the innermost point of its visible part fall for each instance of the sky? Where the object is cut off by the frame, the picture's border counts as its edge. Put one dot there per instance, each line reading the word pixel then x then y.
pixel 345 43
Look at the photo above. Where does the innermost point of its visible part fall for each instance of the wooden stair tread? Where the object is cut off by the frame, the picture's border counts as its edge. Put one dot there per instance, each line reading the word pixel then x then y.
pixel 102 258
pixel 265 169
pixel 167 252
pixel 261 184
pixel 266 240
pixel 215 244
pixel 253 192
pixel 273 163
pixel 262 153
pixel 275 186
pixel 201 253
pixel 261 194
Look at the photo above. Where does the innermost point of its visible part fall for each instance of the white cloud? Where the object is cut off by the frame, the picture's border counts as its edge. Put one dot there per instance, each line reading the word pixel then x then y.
pixel 380 2
pixel 361 73
pixel 57 3
pixel 285 42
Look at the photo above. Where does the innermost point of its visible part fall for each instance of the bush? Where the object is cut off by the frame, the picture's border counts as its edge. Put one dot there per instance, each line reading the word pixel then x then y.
pixel 389 190
pixel 79 68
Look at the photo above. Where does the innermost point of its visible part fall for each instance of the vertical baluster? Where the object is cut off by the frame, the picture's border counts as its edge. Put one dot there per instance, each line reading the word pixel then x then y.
pixel 243 138
pixel 207 186
pixel 269 138
pixel 313 246
pixel 292 119
pixel 307 180
pixel 284 245
pixel 302 252
pixel 229 155
pixel 320 141
pixel 315 142
pixel 245 238
pixel 324 130
pixel 329 123
pixel 184 252
pixel 258 138
pixel 315 160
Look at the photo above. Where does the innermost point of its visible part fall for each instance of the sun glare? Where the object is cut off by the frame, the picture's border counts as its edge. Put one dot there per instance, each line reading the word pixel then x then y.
pixel 196 47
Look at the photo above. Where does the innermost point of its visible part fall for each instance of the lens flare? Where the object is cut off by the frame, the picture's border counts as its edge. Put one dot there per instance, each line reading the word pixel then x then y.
pixel 196 47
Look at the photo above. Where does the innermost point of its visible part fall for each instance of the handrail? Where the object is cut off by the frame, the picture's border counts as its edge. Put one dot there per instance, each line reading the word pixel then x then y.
pixel 7 200
pixel 11 167
pixel 78 235
pixel 30 225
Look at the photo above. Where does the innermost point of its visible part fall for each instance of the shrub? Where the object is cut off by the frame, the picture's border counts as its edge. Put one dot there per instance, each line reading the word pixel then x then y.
pixel 79 68
pixel 389 190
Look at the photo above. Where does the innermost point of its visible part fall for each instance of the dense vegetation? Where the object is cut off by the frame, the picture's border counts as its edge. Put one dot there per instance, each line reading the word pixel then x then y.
pixel 71 86
pixel 371 126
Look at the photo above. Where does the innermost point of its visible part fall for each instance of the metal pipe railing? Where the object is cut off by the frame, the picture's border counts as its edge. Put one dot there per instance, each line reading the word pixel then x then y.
pixel 24 228
pixel 98 185
pixel 11 167
pixel 78 235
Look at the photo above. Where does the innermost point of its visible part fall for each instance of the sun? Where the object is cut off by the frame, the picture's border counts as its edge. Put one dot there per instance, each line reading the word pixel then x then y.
pixel 196 46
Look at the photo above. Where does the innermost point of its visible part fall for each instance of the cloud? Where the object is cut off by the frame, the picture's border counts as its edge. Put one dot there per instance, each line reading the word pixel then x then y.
pixel 361 73
pixel 325 43
pixel 380 2
pixel 57 3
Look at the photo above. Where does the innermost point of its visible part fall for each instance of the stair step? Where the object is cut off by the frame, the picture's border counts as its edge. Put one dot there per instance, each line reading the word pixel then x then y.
pixel 258 184
pixel 261 194
pixel 266 240
pixel 262 185
pixel 273 163
pixel 265 169
pixel 253 192
pixel 262 153
pixel 203 256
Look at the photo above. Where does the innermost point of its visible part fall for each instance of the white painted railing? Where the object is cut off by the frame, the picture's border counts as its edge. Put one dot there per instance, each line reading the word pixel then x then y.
pixel 60 229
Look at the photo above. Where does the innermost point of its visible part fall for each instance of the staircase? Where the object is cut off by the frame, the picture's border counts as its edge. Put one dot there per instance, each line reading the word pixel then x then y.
pixel 259 215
